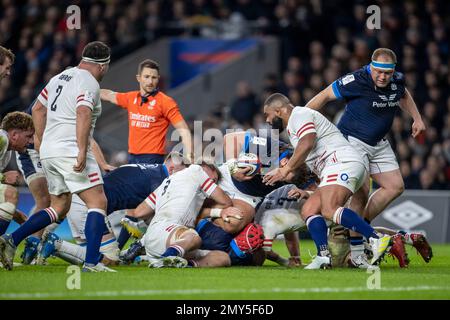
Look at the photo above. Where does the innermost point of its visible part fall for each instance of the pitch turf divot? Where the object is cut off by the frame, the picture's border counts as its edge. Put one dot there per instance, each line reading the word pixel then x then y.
pixel 136 293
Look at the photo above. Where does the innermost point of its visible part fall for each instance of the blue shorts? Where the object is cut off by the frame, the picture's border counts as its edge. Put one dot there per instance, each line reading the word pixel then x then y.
pixel 215 238
pixel 149 158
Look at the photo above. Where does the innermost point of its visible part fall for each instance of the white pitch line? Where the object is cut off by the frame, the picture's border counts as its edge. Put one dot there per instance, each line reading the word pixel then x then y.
pixel 123 293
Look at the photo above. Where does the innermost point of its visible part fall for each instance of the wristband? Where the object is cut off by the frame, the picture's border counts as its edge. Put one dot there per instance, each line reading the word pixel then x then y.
pixel 215 213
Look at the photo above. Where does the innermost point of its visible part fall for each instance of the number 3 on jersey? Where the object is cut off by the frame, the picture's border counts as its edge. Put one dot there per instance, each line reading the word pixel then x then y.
pixel 53 106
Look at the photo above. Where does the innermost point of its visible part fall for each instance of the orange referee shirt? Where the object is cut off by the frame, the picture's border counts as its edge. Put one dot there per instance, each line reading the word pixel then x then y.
pixel 148 123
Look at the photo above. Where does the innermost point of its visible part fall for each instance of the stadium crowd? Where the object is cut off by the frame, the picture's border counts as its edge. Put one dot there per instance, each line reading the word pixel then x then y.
pixel 311 57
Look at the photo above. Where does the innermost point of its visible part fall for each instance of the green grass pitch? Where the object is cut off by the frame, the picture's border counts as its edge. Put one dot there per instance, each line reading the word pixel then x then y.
pixel 419 281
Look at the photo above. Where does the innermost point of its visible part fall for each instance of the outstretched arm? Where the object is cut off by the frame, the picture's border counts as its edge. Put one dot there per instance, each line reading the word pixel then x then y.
pixel 322 98
pixel 108 95
pixel 407 103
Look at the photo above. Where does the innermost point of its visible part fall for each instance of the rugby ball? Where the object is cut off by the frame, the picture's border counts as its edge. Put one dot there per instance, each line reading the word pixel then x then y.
pixel 249 160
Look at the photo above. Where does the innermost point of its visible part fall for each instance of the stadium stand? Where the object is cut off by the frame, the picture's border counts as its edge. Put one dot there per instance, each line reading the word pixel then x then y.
pixel 311 56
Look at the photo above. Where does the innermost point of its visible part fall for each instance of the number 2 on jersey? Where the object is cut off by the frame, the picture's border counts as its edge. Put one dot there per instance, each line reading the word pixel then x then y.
pixel 53 106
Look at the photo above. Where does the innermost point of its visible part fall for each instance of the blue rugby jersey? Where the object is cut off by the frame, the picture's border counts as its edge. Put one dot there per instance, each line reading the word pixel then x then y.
pixel 261 146
pixel 129 185
pixel 370 110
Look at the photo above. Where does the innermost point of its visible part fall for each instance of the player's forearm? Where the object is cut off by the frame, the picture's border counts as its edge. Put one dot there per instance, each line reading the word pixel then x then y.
pixel 98 153
pixel 408 104
pixel 84 115
pixel 108 95
pixel 301 152
pixel 39 115
pixel 186 138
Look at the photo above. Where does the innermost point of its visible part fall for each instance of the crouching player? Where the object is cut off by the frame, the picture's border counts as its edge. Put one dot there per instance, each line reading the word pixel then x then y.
pixel 173 207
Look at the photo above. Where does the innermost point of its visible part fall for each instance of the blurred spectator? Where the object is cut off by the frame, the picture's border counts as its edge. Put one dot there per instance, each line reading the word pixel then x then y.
pixel 319 42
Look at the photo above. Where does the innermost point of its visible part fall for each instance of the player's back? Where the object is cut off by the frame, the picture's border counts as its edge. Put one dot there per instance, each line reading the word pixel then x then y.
pixel 129 185
pixel 62 96
pixel 180 197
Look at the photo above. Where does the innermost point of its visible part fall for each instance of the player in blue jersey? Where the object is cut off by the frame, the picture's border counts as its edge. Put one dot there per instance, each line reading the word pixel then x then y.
pixel 125 188
pixel 373 95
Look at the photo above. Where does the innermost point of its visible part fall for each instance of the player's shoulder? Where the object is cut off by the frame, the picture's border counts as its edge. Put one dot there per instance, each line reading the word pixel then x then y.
pixel 398 77
pixel 165 99
pixel 85 77
pixel 353 77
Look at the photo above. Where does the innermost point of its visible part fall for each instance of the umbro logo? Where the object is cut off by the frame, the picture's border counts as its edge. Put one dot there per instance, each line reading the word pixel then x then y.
pixel 407 215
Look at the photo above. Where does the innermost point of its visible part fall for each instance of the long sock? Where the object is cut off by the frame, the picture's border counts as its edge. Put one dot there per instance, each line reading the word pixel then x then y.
pixel 124 235
pixel 350 219
pixel 318 229
pixel 36 222
pixel 406 237
pixel 356 246
pixel 174 250
pixel 4 224
pixel 95 225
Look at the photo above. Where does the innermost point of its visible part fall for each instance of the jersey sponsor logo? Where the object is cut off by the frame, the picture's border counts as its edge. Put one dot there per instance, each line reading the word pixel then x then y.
pixel 139 120
pixel 387 101
pixel 348 79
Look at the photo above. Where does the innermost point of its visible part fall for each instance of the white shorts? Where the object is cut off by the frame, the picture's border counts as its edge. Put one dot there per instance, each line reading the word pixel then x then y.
pixel 29 165
pixel 77 215
pixel 280 221
pixel 347 174
pixel 227 185
pixel 62 179
pixel 157 235
pixel 377 159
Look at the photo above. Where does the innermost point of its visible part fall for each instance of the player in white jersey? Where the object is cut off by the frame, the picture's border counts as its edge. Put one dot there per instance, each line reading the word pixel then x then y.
pixel 341 171
pixel 64 118
pixel 174 207
pixel 16 132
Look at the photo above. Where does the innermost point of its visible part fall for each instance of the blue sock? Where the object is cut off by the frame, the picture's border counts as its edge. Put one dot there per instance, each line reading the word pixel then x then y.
pixel 95 225
pixel 36 222
pixel 3 226
pixel 356 241
pixel 124 235
pixel 351 220
pixel 318 230
pixel 173 251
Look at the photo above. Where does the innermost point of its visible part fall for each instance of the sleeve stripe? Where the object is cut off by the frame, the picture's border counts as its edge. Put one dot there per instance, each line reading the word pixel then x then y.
pixel 306 124
pixel 88 103
pixel 336 90
pixel 151 199
pixel 81 95
pixel 43 95
pixel 204 183
pixel 305 129
pixel 208 186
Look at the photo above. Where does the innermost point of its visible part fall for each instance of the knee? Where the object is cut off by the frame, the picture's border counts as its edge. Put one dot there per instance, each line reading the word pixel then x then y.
pixel 11 195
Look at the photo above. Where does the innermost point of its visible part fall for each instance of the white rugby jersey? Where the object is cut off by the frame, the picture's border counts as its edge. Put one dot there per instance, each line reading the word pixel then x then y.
pixel 179 197
pixel 331 147
pixel 62 96
pixel 5 154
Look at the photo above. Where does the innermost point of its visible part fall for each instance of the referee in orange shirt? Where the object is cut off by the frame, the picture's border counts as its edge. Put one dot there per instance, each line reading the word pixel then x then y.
pixel 149 113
